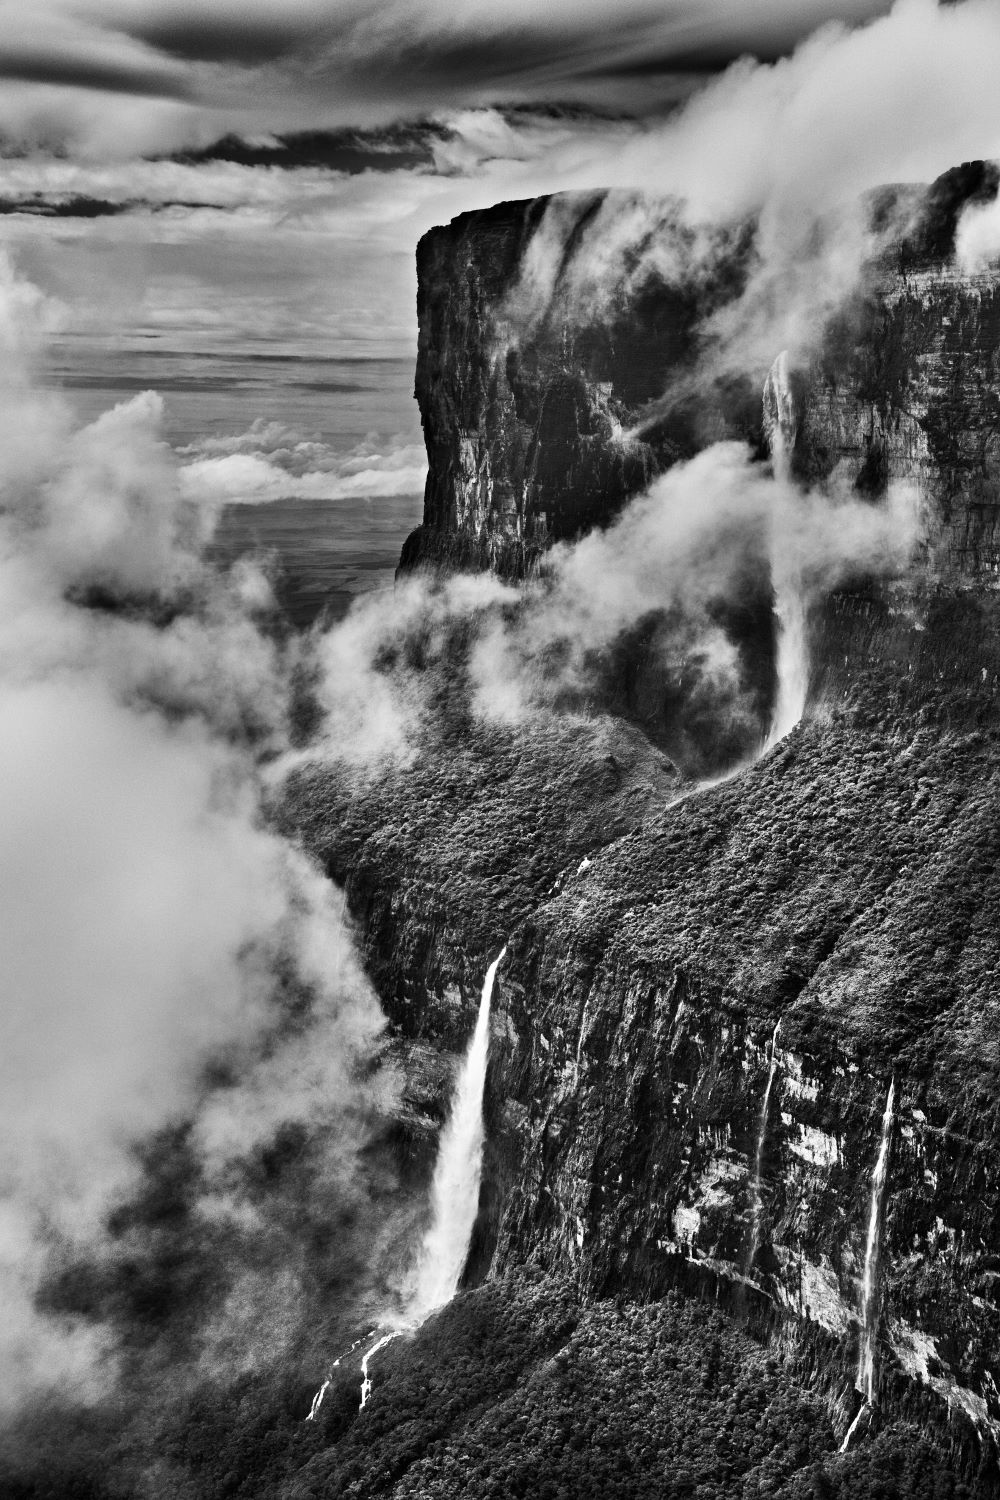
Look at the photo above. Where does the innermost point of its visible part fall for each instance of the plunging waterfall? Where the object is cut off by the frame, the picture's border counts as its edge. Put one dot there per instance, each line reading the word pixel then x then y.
pixel 457 1173
pixel 454 1197
pixel 781 422
pixel 869 1284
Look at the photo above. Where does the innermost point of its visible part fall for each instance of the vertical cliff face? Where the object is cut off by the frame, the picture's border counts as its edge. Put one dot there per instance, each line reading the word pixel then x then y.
pixel 541 390
pixel 529 378
pixel 842 888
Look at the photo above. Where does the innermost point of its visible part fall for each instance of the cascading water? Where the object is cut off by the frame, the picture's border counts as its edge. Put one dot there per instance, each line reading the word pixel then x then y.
pixel 865 1380
pixel 454 1198
pixel 781 422
pixel 758 1200
pixel 457 1172
pixel 317 1400
pixel 869 1284
pixel 366 1384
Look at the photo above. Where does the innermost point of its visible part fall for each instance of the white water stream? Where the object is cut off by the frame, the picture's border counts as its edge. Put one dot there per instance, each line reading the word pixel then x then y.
pixel 792 666
pixel 865 1380
pixel 869 1284
pixel 366 1384
pixel 454 1198
pixel 457 1174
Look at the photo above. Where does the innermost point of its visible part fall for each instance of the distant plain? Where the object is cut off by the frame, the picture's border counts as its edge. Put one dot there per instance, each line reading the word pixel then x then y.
pixel 305 415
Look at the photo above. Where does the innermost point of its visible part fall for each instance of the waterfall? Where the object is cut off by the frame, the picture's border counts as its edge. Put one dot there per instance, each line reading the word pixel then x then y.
pixel 454 1199
pixel 366 1384
pixel 758 1201
pixel 781 417
pixel 781 424
pixel 457 1172
pixel 317 1400
pixel 792 666
pixel 865 1379
pixel 869 1284
pixel 853 1428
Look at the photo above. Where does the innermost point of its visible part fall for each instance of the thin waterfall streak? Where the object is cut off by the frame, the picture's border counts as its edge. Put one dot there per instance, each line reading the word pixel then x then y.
pixel 781 425
pixel 758 1197
pixel 317 1400
pixel 869 1283
pixel 366 1383
pixel 583 1028
pixel 457 1175
pixel 852 1429
pixel 781 416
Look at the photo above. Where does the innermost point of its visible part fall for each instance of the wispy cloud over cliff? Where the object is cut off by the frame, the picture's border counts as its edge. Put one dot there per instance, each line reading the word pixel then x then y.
pixel 667 588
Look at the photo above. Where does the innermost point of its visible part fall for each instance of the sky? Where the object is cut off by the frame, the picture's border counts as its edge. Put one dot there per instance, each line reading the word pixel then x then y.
pixel 120 74
pixel 113 200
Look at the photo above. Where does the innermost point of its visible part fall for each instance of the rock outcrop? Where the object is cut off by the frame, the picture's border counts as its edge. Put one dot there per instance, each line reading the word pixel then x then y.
pixel 529 378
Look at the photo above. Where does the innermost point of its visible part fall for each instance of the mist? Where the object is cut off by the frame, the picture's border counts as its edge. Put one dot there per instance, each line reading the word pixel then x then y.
pixel 786 154
pixel 179 976
pixel 723 528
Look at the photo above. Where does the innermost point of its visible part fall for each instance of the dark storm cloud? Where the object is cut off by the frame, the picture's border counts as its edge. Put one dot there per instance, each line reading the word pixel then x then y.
pixel 38 205
pixel 426 54
pixel 408 52
pixel 388 149
pixel 88 72
pixel 262 67
pixel 203 37
pixel 710 57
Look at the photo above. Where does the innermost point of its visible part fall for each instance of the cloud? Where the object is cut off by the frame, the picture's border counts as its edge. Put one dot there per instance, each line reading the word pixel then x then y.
pixel 709 541
pixel 79 72
pixel 273 66
pixel 788 150
pixel 700 535
pixel 172 961
pixel 375 705
pixel 977 236
pixel 271 462
pixel 791 144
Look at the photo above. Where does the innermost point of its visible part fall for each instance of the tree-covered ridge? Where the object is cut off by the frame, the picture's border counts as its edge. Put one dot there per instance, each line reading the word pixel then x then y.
pixel 517 1389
